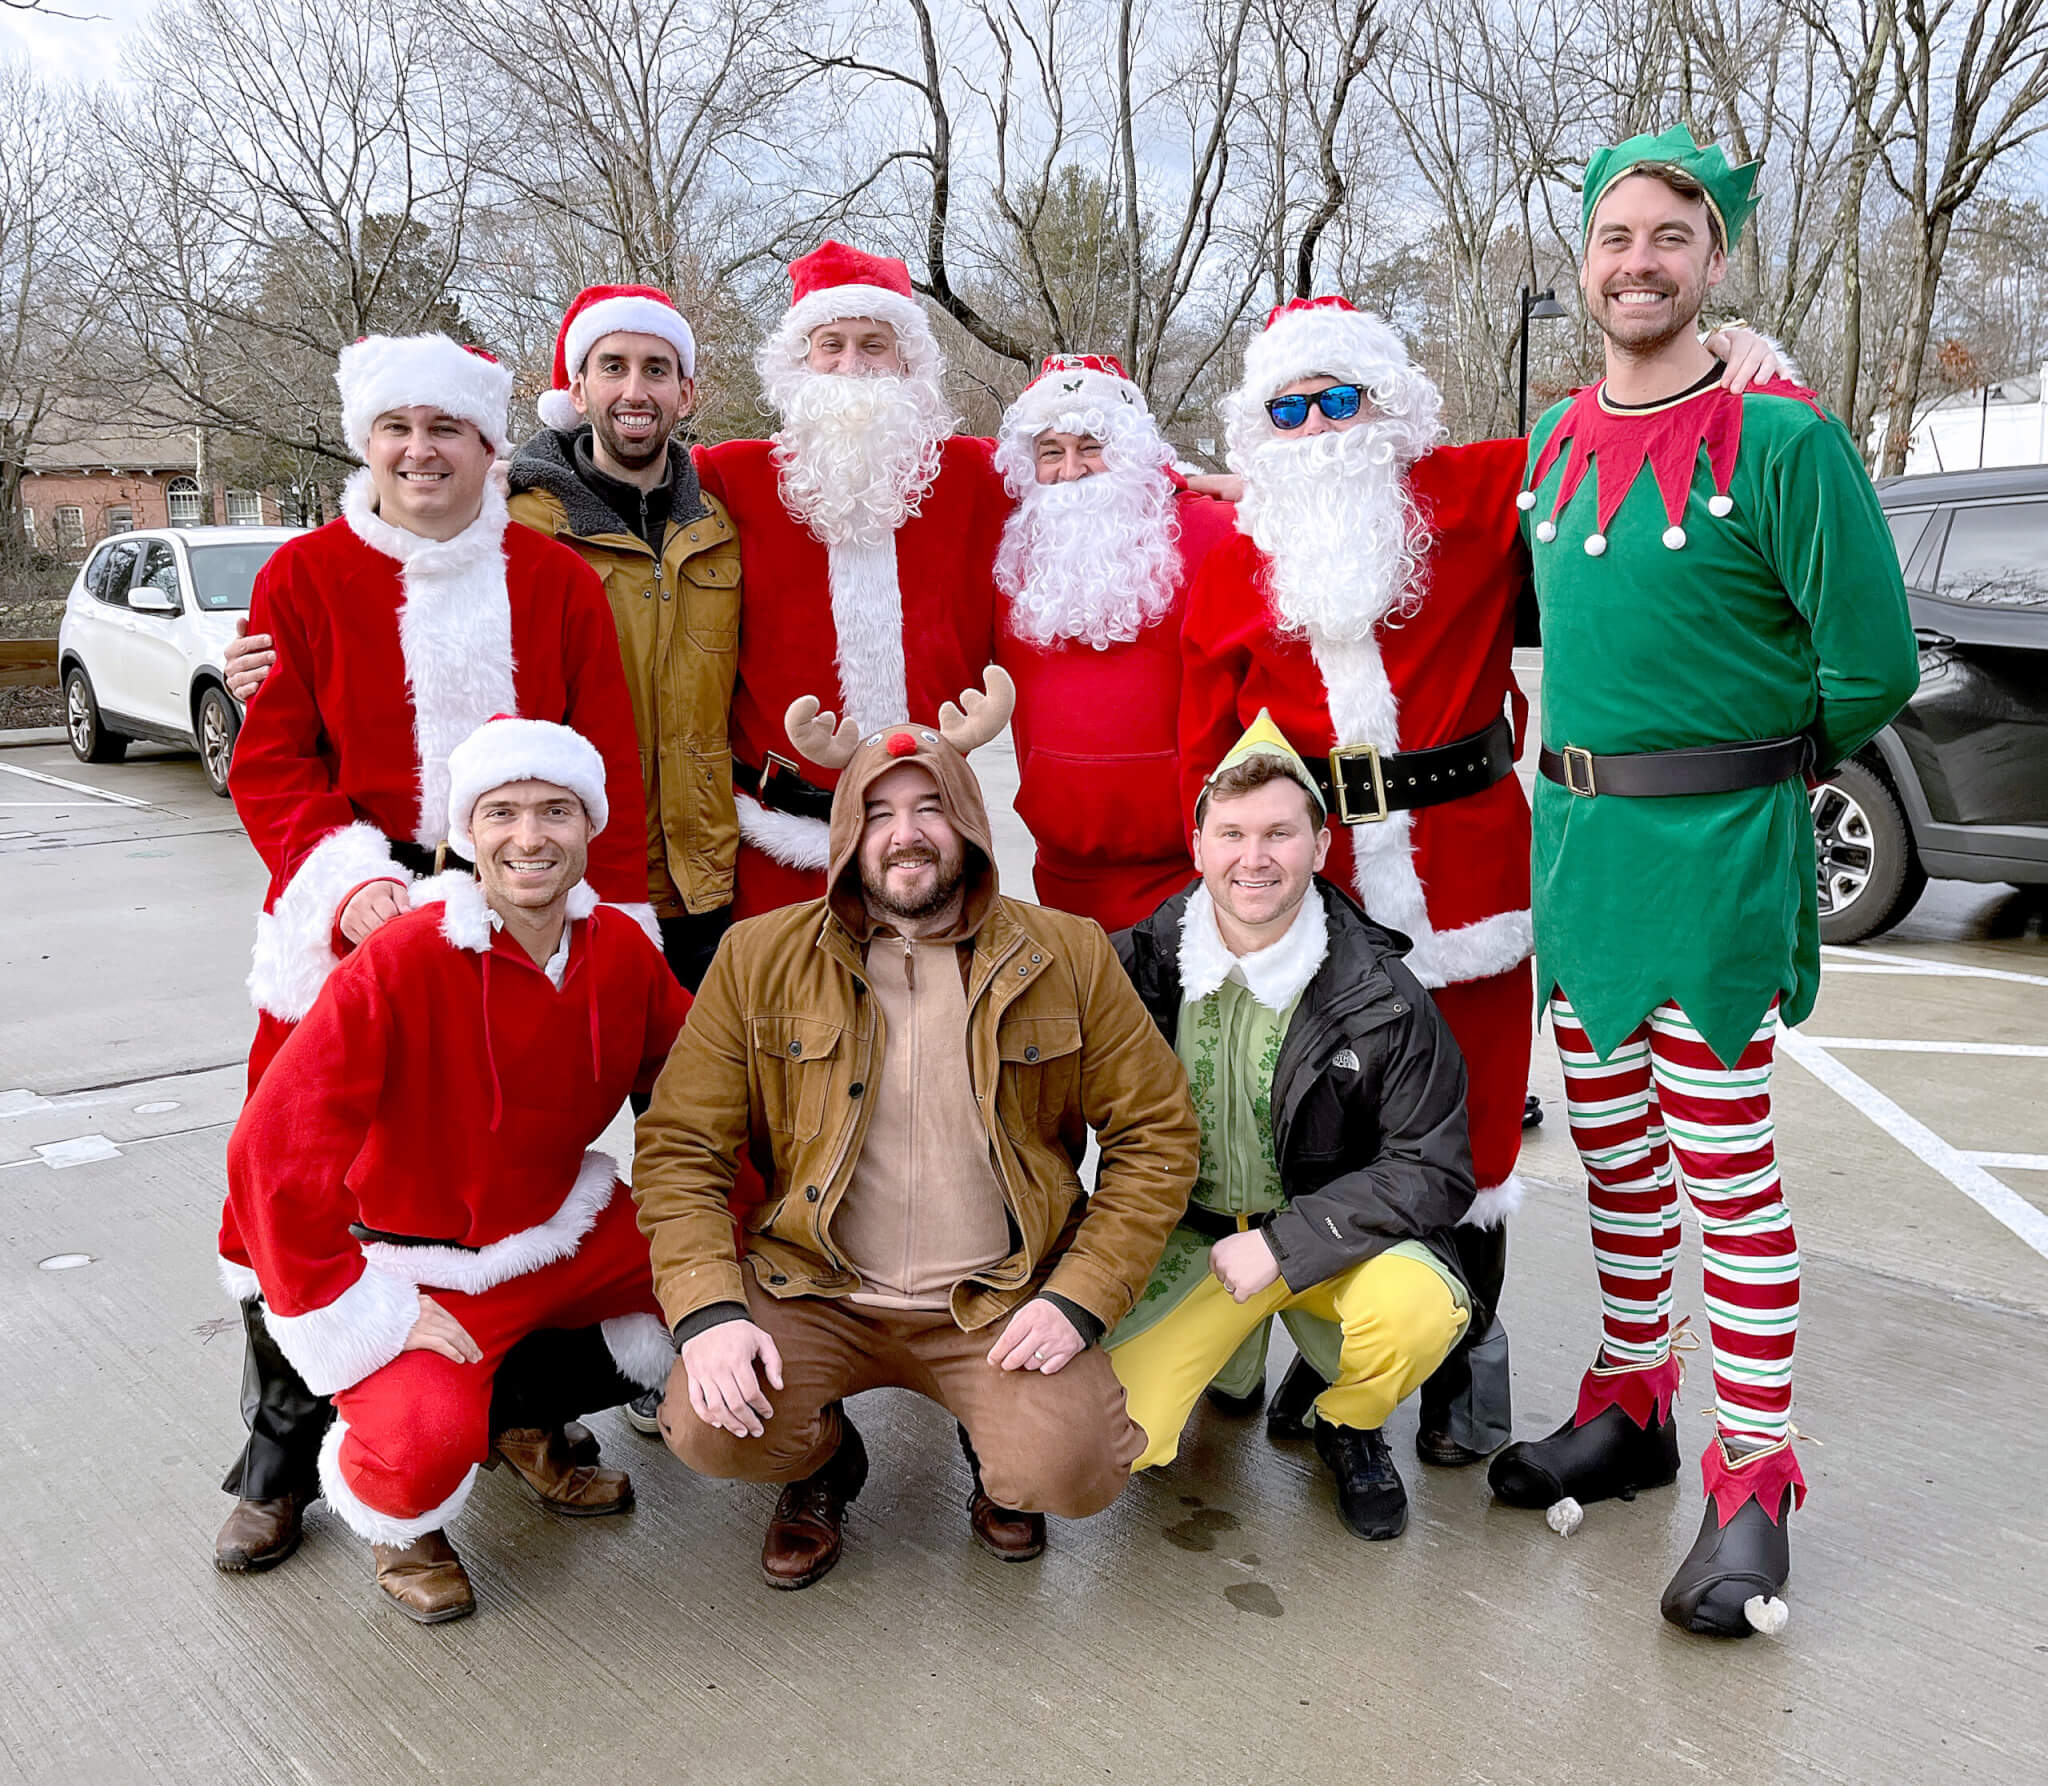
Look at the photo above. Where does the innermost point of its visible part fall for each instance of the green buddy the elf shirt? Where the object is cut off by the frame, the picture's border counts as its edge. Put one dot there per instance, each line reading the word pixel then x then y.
pixel 1742 584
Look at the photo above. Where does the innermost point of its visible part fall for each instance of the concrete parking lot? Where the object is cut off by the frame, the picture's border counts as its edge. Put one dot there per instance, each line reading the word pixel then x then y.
pixel 1216 1625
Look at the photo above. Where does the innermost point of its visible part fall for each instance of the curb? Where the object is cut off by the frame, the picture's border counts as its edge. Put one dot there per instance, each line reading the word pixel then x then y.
pixel 24 736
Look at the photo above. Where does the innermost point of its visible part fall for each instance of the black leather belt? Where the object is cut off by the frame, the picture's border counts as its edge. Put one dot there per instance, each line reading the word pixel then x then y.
pixel 780 785
pixel 1207 1221
pixel 1360 786
pixel 379 1237
pixel 418 859
pixel 1698 769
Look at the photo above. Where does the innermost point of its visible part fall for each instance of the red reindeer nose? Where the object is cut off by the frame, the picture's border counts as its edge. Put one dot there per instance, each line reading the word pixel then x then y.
pixel 901 744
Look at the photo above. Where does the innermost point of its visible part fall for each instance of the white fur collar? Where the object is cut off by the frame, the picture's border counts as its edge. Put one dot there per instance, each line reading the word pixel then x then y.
pixel 479 540
pixel 1275 975
pixel 466 921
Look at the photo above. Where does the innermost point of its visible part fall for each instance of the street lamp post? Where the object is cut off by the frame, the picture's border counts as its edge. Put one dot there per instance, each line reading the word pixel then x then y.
pixel 1539 306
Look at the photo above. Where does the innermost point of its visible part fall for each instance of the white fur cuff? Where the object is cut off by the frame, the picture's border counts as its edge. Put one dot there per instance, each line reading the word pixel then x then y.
pixel 294 951
pixel 794 841
pixel 360 1331
pixel 1495 1204
pixel 364 1520
pixel 640 1346
pixel 238 1281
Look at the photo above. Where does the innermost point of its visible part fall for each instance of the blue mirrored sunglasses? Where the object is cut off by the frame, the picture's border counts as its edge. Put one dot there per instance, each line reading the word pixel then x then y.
pixel 1339 404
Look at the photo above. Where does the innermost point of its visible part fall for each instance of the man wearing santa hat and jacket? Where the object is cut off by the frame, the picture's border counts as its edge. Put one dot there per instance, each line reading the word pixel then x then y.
pixel 399 628
pixel 1369 602
pixel 868 534
pixel 411 1181
pixel 1094 570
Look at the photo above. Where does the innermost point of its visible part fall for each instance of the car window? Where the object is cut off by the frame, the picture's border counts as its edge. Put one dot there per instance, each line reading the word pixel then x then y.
pixel 160 571
pixel 1997 556
pixel 107 576
pixel 1907 526
pixel 225 575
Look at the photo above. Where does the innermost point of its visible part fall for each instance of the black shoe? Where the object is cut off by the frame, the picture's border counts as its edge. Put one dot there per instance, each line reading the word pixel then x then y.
pixel 1435 1446
pixel 1532 1112
pixel 1238 1407
pixel 1369 1492
pixel 1610 1455
pixel 1287 1412
pixel 643 1413
pixel 1728 1567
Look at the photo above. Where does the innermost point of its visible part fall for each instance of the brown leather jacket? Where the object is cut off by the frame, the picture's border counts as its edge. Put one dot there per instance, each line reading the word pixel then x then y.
pixel 783 1041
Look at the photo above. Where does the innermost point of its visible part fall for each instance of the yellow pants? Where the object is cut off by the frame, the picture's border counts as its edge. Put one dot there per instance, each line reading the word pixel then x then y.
pixel 1398 1320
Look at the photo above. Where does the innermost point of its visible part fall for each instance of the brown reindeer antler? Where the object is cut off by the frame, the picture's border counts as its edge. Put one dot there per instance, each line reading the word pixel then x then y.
pixel 985 713
pixel 823 737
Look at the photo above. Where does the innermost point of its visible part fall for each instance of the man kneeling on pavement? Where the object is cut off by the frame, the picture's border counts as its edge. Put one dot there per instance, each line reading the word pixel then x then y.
pixel 411 1179
pixel 1334 1157
pixel 915 1062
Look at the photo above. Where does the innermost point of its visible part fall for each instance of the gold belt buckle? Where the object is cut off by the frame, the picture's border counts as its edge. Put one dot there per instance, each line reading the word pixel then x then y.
pixel 1578 771
pixel 774 763
pixel 1338 757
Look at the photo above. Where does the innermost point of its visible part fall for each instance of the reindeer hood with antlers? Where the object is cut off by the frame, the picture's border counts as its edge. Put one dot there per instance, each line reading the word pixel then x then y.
pixel 941 749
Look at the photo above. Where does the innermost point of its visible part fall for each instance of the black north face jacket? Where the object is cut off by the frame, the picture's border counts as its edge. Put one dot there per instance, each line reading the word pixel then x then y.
pixel 1368 1097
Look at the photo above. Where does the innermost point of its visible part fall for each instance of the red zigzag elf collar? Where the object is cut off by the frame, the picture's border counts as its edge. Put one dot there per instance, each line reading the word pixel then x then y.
pixel 1618 443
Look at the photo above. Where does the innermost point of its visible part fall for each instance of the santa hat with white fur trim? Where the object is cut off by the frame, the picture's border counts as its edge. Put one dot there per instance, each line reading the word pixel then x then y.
pixel 1329 336
pixel 835 283
pixel 506 749
pixel 601 310
pixel 381 373
pixel 1079 393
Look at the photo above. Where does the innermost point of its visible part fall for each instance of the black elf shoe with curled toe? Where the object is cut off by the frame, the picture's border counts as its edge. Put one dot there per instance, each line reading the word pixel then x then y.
pixel 1609 1456
pixel 1729 1569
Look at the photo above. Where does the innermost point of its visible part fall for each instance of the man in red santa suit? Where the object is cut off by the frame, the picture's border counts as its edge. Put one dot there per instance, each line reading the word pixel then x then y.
pixel 411 1181
pixel 868 533
pixel 1094 571
pixel 399 628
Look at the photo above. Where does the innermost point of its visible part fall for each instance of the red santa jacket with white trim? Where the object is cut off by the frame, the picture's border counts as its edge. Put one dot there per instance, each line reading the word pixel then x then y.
pixel 442 1089
pixel 1455 878
pixel 793 642
pixel 1098 767
pixel 391 649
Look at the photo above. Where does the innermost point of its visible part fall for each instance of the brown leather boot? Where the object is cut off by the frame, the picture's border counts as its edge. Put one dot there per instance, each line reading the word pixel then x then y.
pixel 259 1535
pixel 425 1579
pixel 540 1459
pixel 805 1533
pixel 1003 1532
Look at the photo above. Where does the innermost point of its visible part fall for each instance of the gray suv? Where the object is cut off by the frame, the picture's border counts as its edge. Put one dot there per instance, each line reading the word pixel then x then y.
pixel 1957 785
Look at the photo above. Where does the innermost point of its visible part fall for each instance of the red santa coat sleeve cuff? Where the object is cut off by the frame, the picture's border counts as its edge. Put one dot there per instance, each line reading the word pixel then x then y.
pixel 334 1316
pixel 297 940
pixel 601 708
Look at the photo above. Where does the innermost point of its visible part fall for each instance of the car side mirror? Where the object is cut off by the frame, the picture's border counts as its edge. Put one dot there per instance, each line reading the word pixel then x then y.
pixel 149 600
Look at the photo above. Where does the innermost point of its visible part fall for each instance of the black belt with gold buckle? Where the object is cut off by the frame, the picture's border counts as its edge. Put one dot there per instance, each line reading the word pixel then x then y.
pixel 1361 786
pixel 416 858
pixel 779 784
pixel 1697 769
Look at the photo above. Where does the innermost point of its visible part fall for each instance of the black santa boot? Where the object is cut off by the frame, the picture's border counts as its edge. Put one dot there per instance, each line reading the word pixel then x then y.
pixel 1732 1581
pixel 1622 1438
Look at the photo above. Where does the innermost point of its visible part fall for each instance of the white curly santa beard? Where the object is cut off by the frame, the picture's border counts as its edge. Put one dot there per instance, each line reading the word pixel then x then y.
pixel 857 454
pixel 1333 514
pixel 1092 561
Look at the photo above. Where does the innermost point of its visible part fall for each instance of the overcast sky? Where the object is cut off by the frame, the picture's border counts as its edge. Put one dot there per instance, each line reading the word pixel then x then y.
pixel 88 44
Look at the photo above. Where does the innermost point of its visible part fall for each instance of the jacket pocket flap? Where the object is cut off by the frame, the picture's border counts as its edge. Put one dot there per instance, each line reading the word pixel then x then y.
pixel 1033 1039
pixel 795 1038
pixel 712 570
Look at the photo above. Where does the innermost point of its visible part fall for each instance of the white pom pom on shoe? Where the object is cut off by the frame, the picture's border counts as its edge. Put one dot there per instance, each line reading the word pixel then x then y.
pixel 1565 1517
pixel 1769 1616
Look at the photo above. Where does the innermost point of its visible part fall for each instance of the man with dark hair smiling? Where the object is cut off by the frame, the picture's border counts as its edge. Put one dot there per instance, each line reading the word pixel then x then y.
pixel 1334 1156
pixel 1715 634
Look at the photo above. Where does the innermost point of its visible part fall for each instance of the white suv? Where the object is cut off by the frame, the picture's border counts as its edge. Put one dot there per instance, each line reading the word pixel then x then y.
pixel 145 628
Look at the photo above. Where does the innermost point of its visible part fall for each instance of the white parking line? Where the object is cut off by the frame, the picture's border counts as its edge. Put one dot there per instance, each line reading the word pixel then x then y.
pixel 1999 1201
pixel 74 787
pixel 1841 959
pixel 2010 1050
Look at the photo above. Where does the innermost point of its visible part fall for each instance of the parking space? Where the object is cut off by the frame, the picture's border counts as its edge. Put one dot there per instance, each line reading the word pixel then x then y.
pixel 1216 1625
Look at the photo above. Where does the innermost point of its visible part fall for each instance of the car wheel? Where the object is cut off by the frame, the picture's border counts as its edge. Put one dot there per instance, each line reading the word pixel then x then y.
pixel 1869 873
pixel 91 742
pixel 218 726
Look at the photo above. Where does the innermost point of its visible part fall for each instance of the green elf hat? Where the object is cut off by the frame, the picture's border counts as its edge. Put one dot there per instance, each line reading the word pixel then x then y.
pixel 1730 194
pixel 1262 738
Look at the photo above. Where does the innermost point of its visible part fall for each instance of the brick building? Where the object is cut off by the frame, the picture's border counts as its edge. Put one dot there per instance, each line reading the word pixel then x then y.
pixel 83 482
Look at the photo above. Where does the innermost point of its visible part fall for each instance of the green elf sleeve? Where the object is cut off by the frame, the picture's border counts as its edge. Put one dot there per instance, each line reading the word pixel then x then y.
pixel 1826 538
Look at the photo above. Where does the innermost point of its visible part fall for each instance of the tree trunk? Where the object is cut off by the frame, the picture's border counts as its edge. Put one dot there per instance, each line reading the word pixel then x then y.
pixel 1905 392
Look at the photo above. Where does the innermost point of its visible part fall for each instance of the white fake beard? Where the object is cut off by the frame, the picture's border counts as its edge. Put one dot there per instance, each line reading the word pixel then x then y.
pixel 1334 515
pixel 1092 561
pixel 857 454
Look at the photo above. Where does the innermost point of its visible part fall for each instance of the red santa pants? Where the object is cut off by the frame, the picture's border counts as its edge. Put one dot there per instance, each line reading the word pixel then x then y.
pixel 1494 1024
pixel 404 1449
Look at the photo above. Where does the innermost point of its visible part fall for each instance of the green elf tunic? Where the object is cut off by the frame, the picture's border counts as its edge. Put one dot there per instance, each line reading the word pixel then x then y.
pixel 1229 1043
pixel 1746 589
